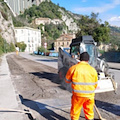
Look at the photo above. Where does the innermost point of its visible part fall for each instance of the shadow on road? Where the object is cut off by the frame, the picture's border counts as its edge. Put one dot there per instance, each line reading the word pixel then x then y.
pixel 43 109
pixel 53 77
pixel 112 108
pixel 46 60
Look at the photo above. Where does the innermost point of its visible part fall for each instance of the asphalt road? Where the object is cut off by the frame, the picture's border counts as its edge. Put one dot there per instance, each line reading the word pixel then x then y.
pixel 108 103
pixel 114 68
pixel 50 61
pixel 113 65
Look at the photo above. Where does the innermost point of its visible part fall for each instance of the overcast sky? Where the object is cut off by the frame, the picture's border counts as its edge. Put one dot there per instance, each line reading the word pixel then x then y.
pixel 109 10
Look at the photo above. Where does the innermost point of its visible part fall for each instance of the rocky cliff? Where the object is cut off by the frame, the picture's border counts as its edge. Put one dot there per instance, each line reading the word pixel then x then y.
pixel 6 24
pixel 69 21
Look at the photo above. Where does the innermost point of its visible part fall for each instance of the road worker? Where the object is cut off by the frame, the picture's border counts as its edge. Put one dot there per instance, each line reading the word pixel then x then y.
pixel 17 50
pixel 83 79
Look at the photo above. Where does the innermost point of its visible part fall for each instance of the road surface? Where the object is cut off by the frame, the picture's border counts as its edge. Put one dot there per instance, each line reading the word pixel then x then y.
pixel 40 89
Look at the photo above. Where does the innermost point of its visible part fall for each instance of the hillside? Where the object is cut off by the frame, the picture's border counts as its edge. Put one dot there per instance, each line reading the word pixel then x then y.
pixel 71 23
pixel 7 33
pixel 115 32
pixel 115 36
pixel 6 24
pixel 115 29
pixel 50 10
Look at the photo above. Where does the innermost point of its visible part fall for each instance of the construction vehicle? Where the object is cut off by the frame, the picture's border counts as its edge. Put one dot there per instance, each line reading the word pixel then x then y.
pixel 78 45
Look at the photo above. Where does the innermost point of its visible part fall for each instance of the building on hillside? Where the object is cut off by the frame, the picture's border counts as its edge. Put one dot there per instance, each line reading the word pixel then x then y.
pixel 41 20
pixel 19 6
pixel 31 37
pixel 44 21
pixel 104 47
pixel 56 21
pixel 63 41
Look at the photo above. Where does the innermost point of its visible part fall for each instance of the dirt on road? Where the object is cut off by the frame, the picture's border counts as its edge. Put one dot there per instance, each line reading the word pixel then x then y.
pixel 35 81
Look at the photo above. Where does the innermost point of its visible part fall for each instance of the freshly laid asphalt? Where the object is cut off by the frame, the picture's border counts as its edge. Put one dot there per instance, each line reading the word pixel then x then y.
pixel 9 100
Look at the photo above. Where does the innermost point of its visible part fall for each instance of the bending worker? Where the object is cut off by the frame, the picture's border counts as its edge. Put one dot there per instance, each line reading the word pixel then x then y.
pixel 83 79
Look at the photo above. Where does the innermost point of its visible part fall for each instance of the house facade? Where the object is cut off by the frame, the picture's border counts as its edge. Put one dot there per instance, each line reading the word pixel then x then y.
pixel 44 21
pixel 63 41
pixel 31 37
pixel 41 20
pixel 106 47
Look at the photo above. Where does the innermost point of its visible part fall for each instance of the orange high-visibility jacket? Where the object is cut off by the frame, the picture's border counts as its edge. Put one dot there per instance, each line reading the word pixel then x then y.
pixel 84 79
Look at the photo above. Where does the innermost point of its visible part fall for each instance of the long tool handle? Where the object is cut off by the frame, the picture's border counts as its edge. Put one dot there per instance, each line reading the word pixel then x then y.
pixel 100 117
pixel 114 85
pixel 21 111
pixel 13 110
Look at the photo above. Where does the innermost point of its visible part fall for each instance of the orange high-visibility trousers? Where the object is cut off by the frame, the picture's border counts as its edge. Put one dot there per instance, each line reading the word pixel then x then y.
pixel 79 102
pixel 17 52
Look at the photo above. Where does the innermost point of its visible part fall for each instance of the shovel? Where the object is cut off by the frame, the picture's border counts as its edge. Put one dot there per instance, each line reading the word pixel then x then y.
pixel 100 117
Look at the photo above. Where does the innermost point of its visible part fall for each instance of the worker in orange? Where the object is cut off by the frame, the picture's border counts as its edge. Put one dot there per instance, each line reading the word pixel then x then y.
pixel 17 50
pixel 84 80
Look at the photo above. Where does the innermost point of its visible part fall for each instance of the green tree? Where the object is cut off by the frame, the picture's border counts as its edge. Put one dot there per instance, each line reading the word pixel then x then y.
pixel 12 47
pixel 21 46
pixel 54 31
pixel 41 49
pixel 45 9
pixel 101 33
pixel 89 25
pixel 1 45
pixel 6 47
pixel 17 23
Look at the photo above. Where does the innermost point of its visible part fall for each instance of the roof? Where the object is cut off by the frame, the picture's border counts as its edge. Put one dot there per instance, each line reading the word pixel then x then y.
pixel 88 39
pixel 67 36
pixel 27 28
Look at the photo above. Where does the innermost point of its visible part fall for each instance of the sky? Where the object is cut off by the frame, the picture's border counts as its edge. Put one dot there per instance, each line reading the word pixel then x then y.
pixel 109 10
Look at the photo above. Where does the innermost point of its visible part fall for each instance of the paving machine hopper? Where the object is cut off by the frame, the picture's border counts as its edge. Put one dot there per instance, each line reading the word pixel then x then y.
pixel 66 59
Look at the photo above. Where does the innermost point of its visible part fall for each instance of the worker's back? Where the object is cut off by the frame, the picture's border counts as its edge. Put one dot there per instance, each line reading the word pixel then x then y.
pixel 84 79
